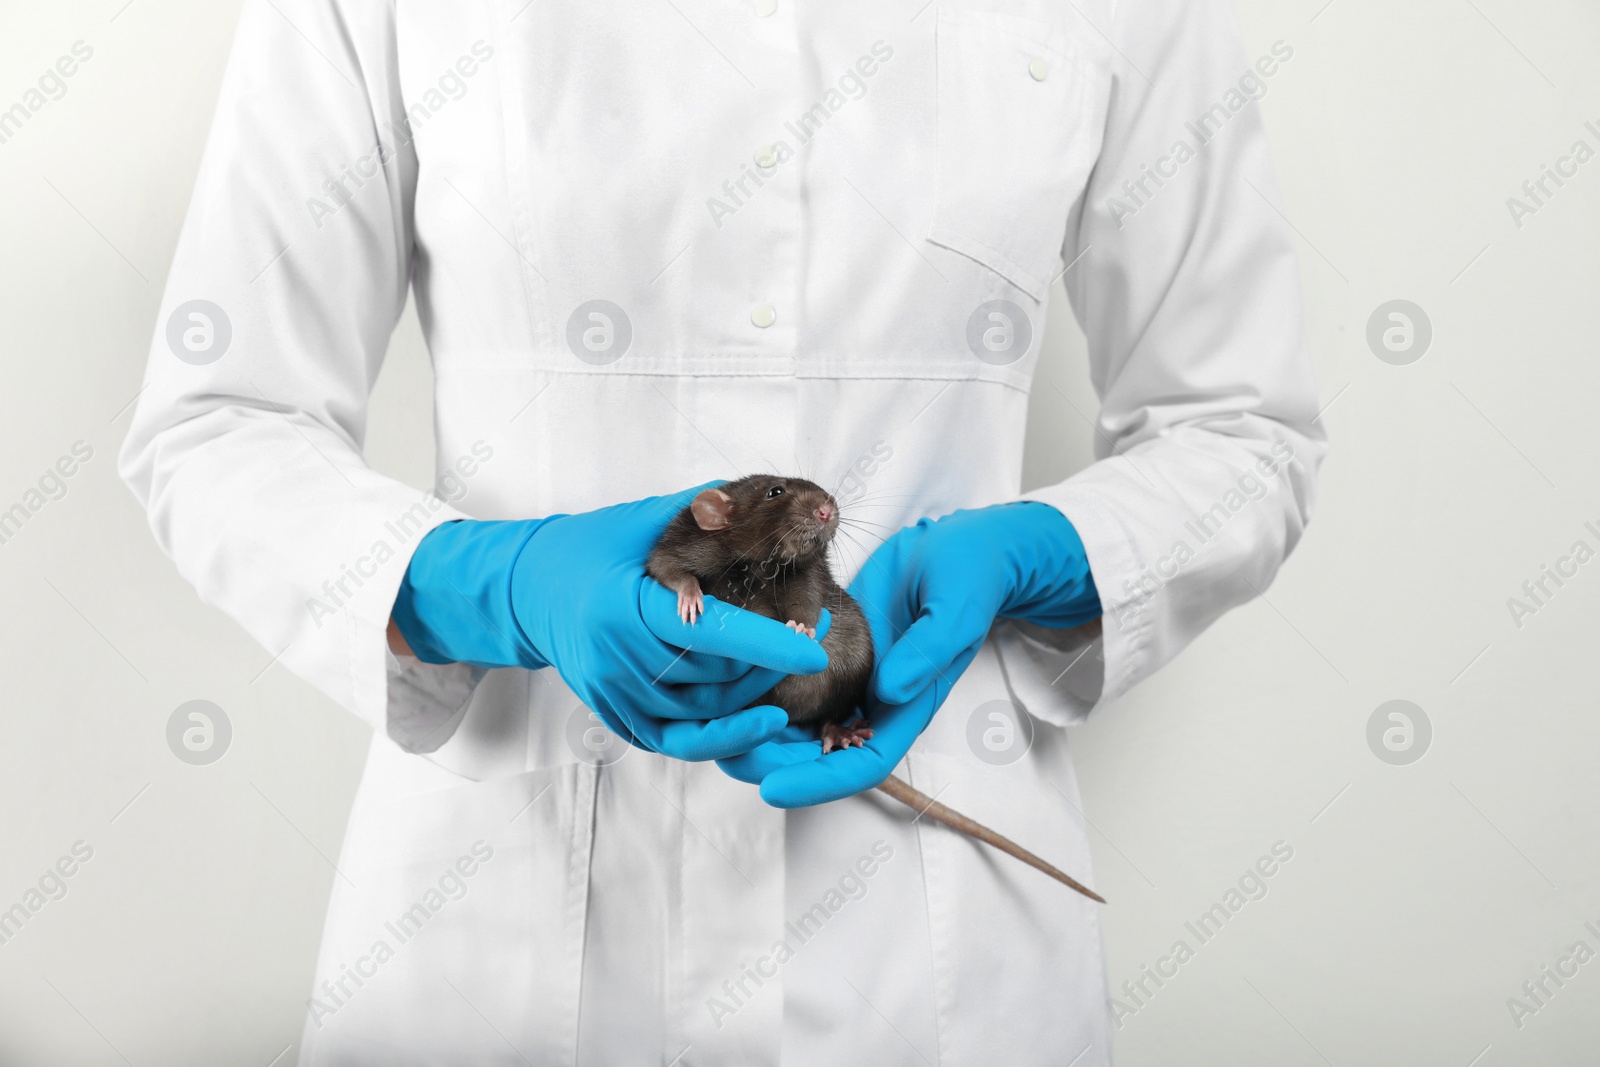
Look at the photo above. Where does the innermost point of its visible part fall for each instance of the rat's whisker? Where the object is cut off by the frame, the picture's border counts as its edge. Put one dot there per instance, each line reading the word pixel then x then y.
pixel 866 547
pixel 865 522
pixel 878 536
pixel 882 502
pixel 847 538
pixel 885 490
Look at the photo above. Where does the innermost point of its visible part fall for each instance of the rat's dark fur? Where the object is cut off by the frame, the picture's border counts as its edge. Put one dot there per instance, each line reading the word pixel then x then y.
pixel 761 543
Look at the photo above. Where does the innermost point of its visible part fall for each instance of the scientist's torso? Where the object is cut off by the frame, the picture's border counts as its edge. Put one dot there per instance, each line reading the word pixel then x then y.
pixel 659 244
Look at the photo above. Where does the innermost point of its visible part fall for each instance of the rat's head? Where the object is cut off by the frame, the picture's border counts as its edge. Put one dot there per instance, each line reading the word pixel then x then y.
pixel 767 517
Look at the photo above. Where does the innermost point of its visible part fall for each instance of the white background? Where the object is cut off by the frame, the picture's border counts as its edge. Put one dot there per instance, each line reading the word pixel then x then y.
pixel 1419 898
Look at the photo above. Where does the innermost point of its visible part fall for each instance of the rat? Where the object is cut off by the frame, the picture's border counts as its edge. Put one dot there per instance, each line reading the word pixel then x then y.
pixel 761 543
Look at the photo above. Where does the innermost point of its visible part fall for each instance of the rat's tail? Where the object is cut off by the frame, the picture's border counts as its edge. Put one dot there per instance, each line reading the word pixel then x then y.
pixel 905 794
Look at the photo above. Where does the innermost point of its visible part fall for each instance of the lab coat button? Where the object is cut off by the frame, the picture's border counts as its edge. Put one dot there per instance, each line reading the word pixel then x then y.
pixel 764 316
pixel 766 7
pixel 1039 69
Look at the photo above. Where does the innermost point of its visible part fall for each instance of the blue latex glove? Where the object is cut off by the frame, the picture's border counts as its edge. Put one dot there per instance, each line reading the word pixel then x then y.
pixel 930 593
pixel 571 592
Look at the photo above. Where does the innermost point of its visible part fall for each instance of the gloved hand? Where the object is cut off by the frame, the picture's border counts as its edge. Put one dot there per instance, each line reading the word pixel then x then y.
pixel 571 592
pixel 930 593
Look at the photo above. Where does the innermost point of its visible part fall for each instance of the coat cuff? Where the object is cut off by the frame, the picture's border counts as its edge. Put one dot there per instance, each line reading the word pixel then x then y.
pixel 417 705
pixel 1061 676
pixel 426 702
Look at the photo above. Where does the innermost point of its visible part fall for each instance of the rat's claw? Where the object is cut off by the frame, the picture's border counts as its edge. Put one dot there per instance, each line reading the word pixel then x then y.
pixel 690 607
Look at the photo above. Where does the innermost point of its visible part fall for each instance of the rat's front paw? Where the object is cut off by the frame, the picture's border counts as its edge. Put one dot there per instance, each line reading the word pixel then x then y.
pixel 691 603
pixel 800 627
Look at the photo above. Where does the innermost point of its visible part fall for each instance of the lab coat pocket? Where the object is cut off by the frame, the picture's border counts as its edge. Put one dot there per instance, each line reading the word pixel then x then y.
pixel 455 906
pixel 1006 939
pixel 1021 106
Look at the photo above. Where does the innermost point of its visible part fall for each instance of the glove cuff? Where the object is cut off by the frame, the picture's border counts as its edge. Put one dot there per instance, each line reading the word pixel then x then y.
pixel 454 603
pixel 1053 586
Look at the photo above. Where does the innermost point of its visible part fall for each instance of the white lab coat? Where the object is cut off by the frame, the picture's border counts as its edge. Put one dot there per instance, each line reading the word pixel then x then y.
pixel 871 174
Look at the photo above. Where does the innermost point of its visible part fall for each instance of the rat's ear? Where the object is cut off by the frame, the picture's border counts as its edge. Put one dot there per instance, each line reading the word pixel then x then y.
pixel 712 509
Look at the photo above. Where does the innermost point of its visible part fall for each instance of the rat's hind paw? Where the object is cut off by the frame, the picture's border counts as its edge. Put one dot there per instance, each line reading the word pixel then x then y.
pixel 842 737
pixel 800 627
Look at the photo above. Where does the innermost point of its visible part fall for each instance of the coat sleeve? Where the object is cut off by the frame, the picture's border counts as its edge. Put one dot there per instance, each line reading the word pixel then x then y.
pixel 1183 275
pixel 290 273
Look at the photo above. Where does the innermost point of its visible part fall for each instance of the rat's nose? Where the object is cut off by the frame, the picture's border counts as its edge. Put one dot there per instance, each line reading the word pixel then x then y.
pixel 825 513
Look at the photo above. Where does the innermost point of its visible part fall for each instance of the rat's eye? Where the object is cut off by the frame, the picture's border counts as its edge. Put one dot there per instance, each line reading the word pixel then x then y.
pixel 775 491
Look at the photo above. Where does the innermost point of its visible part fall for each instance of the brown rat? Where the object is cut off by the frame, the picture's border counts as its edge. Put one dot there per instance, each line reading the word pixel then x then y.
pixel 761 543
